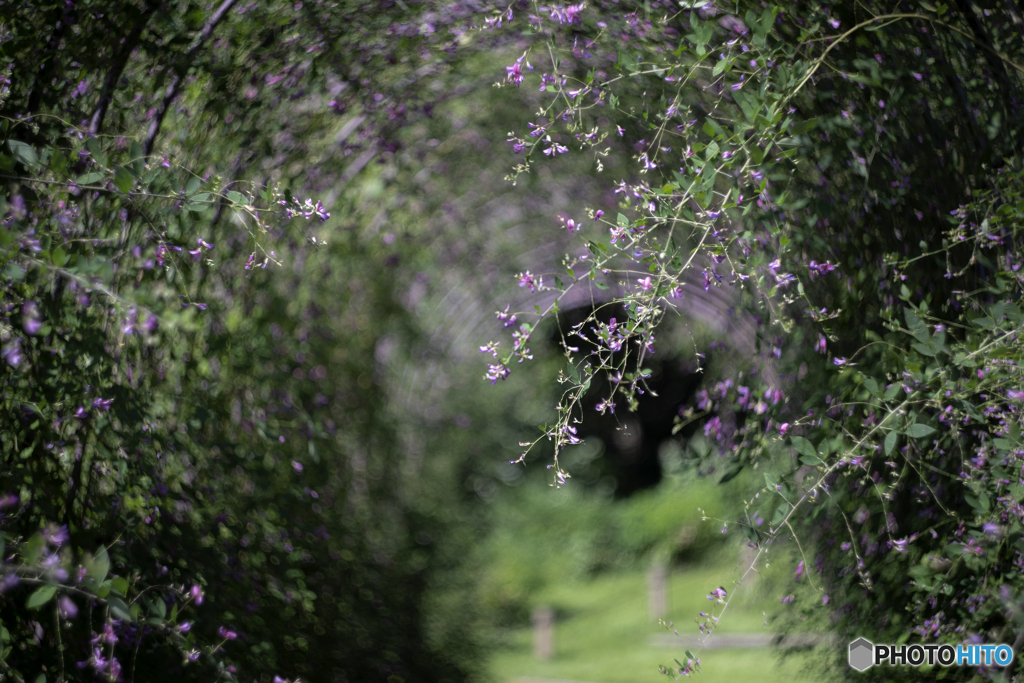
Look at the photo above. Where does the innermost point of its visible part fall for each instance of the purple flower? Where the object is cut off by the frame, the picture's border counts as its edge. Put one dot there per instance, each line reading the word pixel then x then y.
pixel 9 581
pixel 7 500
pixel 899 545
pixel 800 570
pixel 184 627
pixel 824 599
pixel 66 608
pixel 645 283
pixel 30 318
pixel 197 594
pixel 496 372
pixel 991 529
pixel 555 149
pixel 526 280
pixel 55 535
pixel 514 73
pixel 102 403
pixel 226 634
pixel 297 465
pixel 598 214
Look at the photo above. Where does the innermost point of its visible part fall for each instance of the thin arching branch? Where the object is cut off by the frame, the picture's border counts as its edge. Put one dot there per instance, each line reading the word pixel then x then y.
pixel 120 61
pixel 176 79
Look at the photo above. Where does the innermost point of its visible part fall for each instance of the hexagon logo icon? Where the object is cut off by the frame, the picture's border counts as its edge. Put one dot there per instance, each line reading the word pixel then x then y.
pixel 862 654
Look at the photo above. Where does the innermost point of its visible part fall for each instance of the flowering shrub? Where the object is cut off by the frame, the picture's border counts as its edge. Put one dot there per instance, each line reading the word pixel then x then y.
pixel 197 466
pixel 845 171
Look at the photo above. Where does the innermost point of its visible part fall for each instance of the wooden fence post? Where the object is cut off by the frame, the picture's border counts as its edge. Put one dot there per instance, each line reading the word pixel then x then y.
pixel 543 632
pixel 657 591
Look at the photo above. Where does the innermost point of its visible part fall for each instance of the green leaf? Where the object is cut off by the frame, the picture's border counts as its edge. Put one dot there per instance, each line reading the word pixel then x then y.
pixel 41 597
pixel 123 179
pixel 916 326
pixel 890 441
pixel 59 257
pixel 731 474
pixel 804 447
pixel 780 514
pixel 159 608
pixel 58 162
pixel 804 126
pixel 237 198
pixel 192 185
pixel 916 431
pixel 33 549
pixel 136 157
pixel 41 678
pixel 980 503
pixel 14 271
pixel 23 152
pixel 89 178
pixel 120 585
pixel 924 349
pixel 119 608
pixel 600 285
pixel 97 567
pixel 198 207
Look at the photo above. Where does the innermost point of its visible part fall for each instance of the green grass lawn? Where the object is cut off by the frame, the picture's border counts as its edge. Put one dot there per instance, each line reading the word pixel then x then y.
pixel 603 632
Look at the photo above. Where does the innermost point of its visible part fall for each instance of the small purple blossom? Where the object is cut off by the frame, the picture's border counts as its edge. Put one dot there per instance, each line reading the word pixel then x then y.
pixel 66 608
pixel 526 280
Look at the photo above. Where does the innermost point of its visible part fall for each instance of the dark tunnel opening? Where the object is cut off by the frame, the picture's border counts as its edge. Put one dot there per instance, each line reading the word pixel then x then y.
pixel 622 449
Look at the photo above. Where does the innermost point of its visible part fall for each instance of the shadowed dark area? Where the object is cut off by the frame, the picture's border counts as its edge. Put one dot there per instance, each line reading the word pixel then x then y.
pixel 627 443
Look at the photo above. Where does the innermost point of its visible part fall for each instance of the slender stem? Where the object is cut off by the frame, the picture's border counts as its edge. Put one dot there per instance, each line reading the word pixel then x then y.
pixel 177 78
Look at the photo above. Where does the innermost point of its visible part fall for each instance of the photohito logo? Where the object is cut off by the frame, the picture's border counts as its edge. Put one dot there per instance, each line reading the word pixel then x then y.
pixel 864 654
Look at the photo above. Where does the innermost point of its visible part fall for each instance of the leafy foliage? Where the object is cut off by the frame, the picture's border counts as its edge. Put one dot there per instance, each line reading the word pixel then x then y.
pixel 851 170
